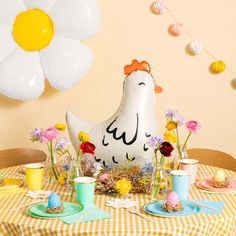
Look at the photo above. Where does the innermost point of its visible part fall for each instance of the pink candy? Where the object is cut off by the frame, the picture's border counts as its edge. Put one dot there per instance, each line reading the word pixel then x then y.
pixel 172 199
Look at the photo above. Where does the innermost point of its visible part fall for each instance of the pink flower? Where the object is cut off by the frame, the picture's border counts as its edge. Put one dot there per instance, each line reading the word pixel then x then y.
pixel 193 126
pixel 49 134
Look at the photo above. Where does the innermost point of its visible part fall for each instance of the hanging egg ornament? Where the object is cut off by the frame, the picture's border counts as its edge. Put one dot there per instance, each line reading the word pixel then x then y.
pixel 159 7
pixel 195 48
pixel 176 29
pixel 218 67
pixel 233 83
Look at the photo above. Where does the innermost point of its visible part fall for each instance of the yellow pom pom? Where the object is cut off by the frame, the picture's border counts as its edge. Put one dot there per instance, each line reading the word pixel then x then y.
pixel 218 67
pixel 60 127
pixel 123 186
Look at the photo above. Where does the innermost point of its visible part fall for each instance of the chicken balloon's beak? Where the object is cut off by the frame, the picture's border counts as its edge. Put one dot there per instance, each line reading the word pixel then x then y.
pixel 158 89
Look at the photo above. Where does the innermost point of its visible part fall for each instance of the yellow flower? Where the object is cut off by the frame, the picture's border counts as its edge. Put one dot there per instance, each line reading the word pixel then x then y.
pixel 123 186
pixel 170 137
pixel 61 179
pixel 60 126
pixel 171 125
pixel 83 137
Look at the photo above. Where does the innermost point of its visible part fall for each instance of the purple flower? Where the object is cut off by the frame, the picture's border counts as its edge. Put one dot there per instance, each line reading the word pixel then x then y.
pixel 171 113
pixel 179 119
pixel 148 168
pixel 36 134
pixel 154 141
pixel 175 116
pixel 62 143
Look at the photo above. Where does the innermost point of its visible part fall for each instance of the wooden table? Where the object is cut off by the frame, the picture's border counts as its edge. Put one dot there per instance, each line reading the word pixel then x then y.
pixel 122 222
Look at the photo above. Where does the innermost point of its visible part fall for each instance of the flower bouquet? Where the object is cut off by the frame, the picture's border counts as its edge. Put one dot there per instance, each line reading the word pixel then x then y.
pixel 56 147
pixel 174 121
pixel 159 183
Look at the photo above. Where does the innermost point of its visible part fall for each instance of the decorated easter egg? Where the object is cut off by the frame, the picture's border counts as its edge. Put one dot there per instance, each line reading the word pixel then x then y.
pixel 218 66
pixel 54 201
pixel 176 29
pixel 220 176
pixel 172 199
pixel 195 47
pixel 159 7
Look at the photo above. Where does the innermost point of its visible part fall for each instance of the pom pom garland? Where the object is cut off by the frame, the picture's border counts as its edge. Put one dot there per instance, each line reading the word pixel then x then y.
pixel 158 7
pixel 218 67
pixel 195 48
pixel 176 29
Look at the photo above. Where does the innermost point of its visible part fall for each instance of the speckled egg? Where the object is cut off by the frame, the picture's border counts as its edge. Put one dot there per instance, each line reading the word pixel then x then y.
pixel 220 176
pixel 54 201
pixel 172 199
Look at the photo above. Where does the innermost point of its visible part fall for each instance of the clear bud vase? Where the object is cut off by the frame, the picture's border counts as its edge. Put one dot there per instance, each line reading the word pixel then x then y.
pixel 159 183
pixel 51 173
pixel 74 172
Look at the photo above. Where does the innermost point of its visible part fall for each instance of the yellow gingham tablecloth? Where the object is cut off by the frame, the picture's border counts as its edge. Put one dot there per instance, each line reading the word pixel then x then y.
pixel 122 222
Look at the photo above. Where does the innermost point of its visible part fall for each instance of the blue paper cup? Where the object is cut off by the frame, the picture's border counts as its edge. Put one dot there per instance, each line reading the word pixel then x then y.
pixel 84 189
pixel 180 183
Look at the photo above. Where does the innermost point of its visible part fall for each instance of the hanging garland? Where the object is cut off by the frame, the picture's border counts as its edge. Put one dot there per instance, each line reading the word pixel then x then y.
pixel 194 48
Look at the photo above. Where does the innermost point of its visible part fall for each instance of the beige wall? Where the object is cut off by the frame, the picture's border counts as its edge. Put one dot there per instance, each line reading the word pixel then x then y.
pixel 129 30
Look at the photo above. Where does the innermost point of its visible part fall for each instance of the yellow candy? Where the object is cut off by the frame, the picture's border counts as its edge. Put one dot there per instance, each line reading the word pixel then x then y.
pixel 220 176
pixel 33 30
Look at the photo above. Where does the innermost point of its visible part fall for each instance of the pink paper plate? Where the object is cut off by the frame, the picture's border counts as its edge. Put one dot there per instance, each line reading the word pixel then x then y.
pixel 207 184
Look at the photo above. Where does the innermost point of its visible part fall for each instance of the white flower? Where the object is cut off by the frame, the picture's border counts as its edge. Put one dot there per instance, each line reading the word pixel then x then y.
pixel 41 39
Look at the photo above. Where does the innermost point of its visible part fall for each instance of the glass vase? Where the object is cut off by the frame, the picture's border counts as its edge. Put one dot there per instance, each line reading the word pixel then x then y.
pixel 74 172
pixel 159 183
pixel 51 173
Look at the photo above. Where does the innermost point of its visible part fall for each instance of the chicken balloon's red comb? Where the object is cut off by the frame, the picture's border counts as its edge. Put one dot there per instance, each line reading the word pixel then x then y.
pixel 143 65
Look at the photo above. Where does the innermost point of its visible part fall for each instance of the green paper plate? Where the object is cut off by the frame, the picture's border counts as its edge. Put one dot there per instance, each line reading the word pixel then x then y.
pixel 39 210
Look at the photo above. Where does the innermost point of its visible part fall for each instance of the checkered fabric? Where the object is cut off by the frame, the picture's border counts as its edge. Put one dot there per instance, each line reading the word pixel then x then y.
pixel 122 222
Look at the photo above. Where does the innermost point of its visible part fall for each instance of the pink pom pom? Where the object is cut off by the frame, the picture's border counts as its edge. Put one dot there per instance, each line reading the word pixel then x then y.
pixel 172 199
pixel 159 7
pixel 176 29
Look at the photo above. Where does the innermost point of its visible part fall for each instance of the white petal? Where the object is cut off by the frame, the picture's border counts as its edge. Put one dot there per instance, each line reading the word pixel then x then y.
pixel 21 75
pixel 9 9
pixel 7 44
pixel 45 5
pixel 65 62
pixel 76 19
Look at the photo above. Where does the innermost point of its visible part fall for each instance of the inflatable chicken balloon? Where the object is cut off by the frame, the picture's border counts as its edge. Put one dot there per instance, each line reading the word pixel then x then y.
pixel 42 39
pixel 123 136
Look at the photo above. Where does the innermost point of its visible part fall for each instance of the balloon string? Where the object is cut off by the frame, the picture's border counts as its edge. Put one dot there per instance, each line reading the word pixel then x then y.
pixel 192 38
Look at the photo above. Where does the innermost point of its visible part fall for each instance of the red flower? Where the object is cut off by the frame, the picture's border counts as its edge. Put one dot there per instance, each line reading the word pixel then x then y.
pixel 87 147
pixel 166 149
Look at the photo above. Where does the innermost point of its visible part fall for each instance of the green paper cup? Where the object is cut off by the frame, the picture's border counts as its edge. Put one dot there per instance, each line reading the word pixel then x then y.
pixel 84 189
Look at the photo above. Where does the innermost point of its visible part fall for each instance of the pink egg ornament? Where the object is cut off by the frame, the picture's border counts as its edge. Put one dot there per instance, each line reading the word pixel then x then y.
pixel 158 7
pixel 176 29
pixel 172 199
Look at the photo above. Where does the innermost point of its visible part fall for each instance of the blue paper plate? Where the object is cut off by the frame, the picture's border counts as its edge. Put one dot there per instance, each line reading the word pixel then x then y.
pixel 154 208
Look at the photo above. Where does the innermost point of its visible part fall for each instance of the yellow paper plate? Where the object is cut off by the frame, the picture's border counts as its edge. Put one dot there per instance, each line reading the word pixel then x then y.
pixel 11 183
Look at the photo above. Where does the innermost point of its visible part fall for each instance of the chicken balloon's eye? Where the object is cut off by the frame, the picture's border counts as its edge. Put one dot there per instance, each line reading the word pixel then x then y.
pixel 142 83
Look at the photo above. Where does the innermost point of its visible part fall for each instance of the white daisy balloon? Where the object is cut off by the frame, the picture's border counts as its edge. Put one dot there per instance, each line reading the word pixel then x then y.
pixel 41 39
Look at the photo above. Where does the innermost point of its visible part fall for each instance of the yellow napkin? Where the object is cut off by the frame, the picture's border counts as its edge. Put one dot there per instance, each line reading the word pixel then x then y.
pixel 11 191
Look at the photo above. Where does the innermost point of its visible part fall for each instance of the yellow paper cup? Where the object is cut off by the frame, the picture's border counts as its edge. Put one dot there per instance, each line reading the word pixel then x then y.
pixel 34 176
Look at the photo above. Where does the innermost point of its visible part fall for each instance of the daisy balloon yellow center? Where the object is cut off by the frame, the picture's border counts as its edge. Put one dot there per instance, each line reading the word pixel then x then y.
pixel 33 30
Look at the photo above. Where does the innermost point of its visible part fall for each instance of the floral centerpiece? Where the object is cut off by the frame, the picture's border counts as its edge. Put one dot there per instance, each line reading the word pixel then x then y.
pixel 174 121
pixel 51 137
